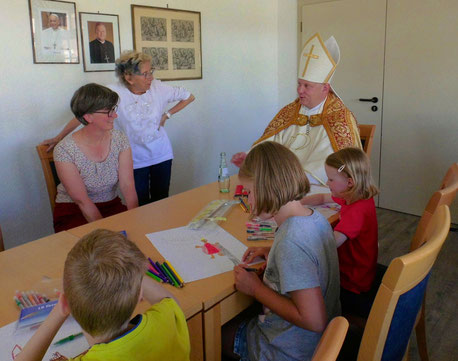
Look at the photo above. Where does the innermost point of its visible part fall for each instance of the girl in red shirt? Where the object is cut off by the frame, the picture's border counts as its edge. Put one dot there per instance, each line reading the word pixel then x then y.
pixel 356 234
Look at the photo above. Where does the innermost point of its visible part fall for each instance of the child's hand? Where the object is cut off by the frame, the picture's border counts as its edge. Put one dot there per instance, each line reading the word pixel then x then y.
pixel 238 158
pixel 252 252
pixel 245 281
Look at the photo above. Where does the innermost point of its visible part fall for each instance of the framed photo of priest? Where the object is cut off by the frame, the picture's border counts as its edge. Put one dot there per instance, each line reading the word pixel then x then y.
pixel 54 35
pixel 173 39
pixel 100 41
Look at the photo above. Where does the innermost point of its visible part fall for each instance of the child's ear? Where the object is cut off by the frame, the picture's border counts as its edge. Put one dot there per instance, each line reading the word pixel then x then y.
pixel 351 183
pixel 64 304
pixel 140 296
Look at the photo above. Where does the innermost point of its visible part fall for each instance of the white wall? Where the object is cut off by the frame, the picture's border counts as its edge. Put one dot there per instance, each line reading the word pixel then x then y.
pixel 249 61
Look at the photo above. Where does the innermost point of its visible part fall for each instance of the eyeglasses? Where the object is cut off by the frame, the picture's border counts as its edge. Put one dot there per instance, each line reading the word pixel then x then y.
pixel 110 112
pixel 146 73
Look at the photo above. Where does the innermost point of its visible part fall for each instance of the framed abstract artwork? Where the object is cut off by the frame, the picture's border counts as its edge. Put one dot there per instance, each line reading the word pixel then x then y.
pixel 172 38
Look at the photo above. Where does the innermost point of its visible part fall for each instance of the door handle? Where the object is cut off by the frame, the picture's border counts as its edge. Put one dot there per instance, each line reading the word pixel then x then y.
pixel 373 100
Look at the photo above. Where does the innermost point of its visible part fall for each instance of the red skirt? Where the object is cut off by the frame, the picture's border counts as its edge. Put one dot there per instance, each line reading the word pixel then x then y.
pixel 69 215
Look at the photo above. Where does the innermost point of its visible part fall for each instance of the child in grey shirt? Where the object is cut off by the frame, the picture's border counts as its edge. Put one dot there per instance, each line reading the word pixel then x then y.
pixel 300 288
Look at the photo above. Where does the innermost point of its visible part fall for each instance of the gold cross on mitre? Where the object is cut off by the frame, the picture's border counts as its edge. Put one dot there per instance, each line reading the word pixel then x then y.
pixel 309 55
pixel 316 63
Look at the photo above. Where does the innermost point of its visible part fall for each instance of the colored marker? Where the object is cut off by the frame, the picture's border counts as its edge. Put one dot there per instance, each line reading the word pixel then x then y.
pixel 172 280
pixel 153 276
pixel 24 300
pixel 155 272
pixel 69 338
pixel 241 201
pixel 158 265
pixel 167 265
pixel 175 278
pixel 175 272
pixel 20 305
pixel 29 296
pixel 35 297
pixel 159 273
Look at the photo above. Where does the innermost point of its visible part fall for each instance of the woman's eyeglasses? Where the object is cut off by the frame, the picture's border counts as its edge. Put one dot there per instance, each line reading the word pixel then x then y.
pixel 146 74
pixel 110 112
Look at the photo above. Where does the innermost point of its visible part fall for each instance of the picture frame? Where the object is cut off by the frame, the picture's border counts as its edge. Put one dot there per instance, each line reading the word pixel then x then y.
pixel 173 39
pixel 100 41
pixel 53 30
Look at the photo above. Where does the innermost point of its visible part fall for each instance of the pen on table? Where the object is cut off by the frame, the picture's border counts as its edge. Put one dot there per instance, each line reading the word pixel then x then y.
pixel 158 265
pixel 24 300
pixel 159 273
pixel 154 277
pixel 20 305
pixel 35 297
pixel 174 273
pixel 29 296
pixel 241 201
pixel 68 338
pixel 173 280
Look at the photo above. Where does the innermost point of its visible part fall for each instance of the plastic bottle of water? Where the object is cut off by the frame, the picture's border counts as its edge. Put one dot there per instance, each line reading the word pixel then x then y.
pixel 223 174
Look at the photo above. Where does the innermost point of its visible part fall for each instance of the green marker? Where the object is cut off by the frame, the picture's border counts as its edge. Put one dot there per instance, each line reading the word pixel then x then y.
pixel 174 281
pixel 153 276
pixel 69 338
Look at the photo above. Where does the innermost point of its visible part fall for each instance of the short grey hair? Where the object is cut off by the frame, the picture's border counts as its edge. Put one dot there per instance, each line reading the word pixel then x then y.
pixel 129 63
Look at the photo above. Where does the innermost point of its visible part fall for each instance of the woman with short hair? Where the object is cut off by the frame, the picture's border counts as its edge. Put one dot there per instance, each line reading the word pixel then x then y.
pixel 142 113
pixel 92 162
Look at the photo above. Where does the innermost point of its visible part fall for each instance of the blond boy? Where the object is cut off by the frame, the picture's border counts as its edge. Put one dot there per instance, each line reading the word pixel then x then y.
pixel 103 282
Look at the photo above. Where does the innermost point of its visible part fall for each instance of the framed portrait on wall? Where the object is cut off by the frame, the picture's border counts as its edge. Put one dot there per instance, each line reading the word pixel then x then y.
pixel 100 41
pixel 54 35
pixel 172 38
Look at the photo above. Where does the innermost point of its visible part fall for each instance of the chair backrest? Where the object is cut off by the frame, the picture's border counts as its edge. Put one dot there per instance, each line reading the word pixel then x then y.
pixel 331 341
pixel 445 195
pixel 400 296
pixel 366 133
pixel 50 173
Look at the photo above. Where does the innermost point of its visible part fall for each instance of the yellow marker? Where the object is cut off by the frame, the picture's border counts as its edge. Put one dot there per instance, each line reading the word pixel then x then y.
pixel 174 271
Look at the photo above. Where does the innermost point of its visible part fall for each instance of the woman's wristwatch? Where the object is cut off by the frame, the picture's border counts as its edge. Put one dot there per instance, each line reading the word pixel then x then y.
pixel 168 115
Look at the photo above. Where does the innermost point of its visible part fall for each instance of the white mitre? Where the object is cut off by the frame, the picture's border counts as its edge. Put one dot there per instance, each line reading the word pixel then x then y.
pixel 319 60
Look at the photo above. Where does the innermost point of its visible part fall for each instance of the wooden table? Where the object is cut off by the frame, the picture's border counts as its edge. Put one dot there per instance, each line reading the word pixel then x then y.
pixel 207 303
pixel 219 299
pixel 39 265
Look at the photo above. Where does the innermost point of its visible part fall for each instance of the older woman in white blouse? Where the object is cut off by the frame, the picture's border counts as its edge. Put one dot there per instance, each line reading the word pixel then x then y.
pixel 93 162
pixel 142 113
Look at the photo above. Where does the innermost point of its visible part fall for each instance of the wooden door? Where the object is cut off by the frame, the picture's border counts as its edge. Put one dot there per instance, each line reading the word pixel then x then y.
pixel 420 117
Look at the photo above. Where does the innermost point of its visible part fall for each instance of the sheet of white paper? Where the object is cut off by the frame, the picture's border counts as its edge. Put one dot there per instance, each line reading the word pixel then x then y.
pixel 195 253
pixel 11 342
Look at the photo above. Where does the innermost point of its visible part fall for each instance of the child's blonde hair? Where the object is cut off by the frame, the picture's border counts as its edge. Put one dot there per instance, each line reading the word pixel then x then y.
pixel 102 280
pixel 355 164
pixel 277 176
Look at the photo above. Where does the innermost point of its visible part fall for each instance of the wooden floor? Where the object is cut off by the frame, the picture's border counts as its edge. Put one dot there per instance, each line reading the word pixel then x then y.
pixel 395 232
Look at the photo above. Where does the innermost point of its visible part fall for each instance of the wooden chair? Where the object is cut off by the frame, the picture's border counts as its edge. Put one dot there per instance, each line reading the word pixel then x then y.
pixel 366 133
pixel 331 341
pixel 400 296
pixel 50 173
pixel 445 195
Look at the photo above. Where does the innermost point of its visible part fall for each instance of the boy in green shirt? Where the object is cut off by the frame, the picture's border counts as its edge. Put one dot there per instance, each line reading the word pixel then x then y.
pixel 103 282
